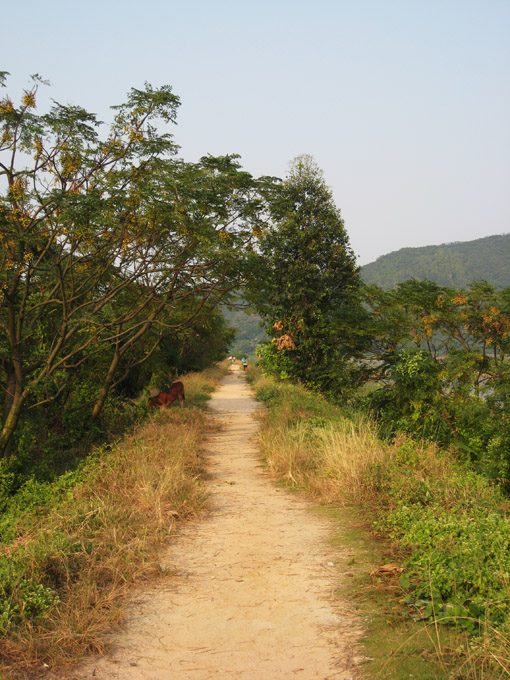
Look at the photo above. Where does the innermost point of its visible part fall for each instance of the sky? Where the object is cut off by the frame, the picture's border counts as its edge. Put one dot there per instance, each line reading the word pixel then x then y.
pixel 404 104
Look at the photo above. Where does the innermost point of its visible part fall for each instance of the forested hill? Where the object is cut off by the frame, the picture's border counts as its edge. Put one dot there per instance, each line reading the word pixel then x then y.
pixel 248 330
pixel 452 264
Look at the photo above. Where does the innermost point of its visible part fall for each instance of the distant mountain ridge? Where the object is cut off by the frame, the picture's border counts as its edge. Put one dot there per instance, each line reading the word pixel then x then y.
pixel 451 264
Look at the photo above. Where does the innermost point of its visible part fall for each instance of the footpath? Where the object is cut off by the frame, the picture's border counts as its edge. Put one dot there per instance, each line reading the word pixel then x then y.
pixel 252 591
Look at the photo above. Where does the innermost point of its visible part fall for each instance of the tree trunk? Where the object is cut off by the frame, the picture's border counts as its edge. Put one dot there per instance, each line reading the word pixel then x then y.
pixel 98 406
pixel 9 392
pixel 8 401
pixel 10 422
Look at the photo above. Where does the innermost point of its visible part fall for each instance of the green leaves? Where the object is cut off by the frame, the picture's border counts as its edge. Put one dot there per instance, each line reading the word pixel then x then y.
pixel 305 280
pixel 458 564
pixel 106 238
pixel 441 359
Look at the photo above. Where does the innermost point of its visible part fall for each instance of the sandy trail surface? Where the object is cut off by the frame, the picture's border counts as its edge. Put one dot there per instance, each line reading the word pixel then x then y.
pixel 253 592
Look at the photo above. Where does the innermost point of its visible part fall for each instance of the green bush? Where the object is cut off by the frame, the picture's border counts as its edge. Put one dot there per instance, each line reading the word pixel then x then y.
pixel 428 400
pixel 24 601
pixel 268 392
pixel 412 403
pixel 452 527
pixel 459 562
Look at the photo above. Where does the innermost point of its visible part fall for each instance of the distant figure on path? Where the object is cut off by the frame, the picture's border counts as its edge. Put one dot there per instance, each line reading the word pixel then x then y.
pixel 244 361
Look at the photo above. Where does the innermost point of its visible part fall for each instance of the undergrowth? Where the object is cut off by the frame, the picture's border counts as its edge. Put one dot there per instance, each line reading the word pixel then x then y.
pixel 447 525
pixel 69 549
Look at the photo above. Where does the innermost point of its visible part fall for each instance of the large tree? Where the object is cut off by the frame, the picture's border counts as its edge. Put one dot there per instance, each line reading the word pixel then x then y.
pixel 203 215
pixel 306 287
pixel 103 237
pixel 69 247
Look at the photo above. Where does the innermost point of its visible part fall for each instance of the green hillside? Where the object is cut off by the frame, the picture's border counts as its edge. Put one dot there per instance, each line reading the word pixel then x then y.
pixel 248 330
pixel 452 264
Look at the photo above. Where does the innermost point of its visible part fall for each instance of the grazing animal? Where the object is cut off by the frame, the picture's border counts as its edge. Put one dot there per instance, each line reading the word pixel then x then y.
pixel 168 396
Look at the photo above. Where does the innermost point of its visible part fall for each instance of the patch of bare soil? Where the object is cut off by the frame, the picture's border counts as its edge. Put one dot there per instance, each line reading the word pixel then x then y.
pixel 253 592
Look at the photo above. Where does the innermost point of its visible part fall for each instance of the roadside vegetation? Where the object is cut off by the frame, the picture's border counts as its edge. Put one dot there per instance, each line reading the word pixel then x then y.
pixel 116 260
pixel 70 549
pixel 443 527
pixel 439 360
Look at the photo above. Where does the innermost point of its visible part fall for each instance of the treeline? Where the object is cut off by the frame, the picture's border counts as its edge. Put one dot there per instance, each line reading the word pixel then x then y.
pixel 424 359
pixel 441 365
pixel 115 256
pixel 456 265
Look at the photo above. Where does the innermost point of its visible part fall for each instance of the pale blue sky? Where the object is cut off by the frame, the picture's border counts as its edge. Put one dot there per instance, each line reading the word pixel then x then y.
pixel 405 104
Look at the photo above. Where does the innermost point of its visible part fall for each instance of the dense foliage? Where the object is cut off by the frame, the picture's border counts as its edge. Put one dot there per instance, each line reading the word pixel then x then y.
pixel 453 264
pixel 115 255
pixel 306 283
pixel 441 361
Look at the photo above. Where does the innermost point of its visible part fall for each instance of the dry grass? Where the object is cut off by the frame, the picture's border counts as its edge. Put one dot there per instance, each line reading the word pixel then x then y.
pixel 347 453
pixel 105 533
pixel 198 386
pixel 309 444
pixel 331 460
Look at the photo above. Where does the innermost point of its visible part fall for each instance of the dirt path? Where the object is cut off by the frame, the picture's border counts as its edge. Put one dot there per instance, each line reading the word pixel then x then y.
pixel 253 593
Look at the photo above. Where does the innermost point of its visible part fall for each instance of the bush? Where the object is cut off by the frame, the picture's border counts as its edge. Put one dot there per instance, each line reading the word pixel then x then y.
pixel 413 402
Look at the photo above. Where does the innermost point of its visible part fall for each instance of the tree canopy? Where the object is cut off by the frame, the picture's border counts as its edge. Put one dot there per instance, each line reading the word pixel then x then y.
pixel 107 238
pixel 306 282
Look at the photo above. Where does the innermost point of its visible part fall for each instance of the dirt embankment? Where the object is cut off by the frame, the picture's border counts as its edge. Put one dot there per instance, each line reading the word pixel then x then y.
pixel 252 592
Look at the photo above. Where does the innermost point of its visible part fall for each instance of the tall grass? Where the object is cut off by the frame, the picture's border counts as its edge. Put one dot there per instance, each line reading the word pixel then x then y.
pixel 70 550
pixel 449 526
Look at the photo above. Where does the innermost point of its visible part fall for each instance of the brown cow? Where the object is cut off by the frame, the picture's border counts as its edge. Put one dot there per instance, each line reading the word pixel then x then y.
pixel 168 396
